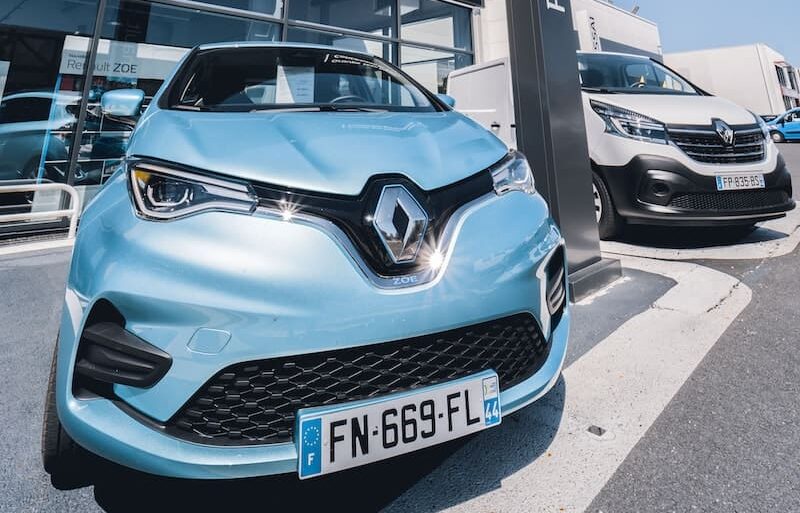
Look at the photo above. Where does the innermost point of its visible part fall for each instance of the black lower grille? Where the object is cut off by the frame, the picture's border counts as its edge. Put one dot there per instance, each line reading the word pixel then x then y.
pixel 256 402
pixel 730 200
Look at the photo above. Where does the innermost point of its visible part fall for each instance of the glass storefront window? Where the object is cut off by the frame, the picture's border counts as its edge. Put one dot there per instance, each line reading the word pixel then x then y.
pixel 268 7
pixel 44 48
pixel 141 44
pixel 436 23
pixel 372 16
pixel 39 93
pixel 431 67
pixel 377 48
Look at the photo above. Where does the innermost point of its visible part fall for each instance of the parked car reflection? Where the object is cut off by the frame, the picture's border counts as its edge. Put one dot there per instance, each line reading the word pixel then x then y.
pixel 36 134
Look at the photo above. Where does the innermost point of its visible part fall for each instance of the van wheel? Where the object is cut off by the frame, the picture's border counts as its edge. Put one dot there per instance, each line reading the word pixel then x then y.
pixel 67 463
pixel 777 137
pixel 609 223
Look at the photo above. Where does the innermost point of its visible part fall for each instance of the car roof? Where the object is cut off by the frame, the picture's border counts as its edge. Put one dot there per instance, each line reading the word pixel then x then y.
pixel 278 44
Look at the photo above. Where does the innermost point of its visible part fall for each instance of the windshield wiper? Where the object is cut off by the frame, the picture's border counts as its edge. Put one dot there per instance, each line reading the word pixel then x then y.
pixel 183 106
pixel 272 109
pixel 333 107
pixel 315 108
pixel 601 90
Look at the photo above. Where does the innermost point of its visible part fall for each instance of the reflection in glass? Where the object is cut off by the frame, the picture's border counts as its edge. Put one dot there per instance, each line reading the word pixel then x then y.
pixel 39 92
pixel 142 42
pixel 432 67
pixel 377 48
pixel 269 7
pixel 436 23
pixel 372 16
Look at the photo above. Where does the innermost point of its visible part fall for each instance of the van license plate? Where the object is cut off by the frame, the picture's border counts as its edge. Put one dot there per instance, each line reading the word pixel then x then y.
pixel 335 438
pixel 740 182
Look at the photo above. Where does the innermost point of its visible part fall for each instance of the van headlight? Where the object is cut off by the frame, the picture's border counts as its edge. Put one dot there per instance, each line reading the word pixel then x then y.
pixel 633 125
pixel 513 174
pixel 162 193
pixel 763 125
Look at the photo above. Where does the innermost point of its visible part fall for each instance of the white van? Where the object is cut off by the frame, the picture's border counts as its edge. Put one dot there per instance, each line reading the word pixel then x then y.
pixel 662 150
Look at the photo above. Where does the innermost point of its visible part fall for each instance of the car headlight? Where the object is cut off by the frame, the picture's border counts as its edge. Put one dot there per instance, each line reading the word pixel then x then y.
pixel 513 174
pixel 630 124
pixel 162 193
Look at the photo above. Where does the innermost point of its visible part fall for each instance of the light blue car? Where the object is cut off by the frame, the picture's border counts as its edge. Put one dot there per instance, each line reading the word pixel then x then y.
pixel 308 263
pixel 786 127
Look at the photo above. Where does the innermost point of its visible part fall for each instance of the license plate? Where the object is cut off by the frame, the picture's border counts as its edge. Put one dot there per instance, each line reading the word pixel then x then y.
pixel 740 182
pixel 346 436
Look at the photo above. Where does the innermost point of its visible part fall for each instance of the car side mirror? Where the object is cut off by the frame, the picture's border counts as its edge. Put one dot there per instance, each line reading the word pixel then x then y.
pixel 447 100
pixel 124 103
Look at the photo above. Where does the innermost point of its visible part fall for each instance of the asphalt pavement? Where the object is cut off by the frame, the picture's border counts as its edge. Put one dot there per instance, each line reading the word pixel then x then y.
pixel 718 433
pixel 729 441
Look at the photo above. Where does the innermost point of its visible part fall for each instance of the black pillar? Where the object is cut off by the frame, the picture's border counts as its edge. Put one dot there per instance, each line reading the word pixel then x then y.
pixel 551 131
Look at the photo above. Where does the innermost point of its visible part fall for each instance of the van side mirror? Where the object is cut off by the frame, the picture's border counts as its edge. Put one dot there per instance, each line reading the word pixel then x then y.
pixel 447 100
pixel 124 103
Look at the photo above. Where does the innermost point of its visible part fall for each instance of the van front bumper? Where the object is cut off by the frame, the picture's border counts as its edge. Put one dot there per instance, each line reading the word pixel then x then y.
pixel 658 190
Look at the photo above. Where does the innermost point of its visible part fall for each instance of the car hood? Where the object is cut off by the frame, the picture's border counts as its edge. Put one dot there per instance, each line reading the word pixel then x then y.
pixel 680 109
pixel 332 152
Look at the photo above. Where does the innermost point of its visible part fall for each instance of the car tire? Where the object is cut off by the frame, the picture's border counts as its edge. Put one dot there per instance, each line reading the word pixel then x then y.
pixel 67 463
pixel 609 223
pixel 777 137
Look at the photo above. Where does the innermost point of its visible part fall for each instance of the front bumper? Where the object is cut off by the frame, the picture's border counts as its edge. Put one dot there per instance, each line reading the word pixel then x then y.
pixel 659 190
pixel 277 288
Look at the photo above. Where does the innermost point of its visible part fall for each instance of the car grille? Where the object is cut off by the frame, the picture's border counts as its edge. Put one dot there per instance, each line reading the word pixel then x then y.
pixel 705 145
pixel 729 200
pixel 256 402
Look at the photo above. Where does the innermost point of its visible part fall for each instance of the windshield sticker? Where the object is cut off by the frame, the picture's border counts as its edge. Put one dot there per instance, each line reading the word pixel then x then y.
pixel 350 59
pixel 295 84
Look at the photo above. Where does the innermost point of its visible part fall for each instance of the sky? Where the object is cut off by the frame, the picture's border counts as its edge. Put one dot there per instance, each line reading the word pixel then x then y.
pixel 699 24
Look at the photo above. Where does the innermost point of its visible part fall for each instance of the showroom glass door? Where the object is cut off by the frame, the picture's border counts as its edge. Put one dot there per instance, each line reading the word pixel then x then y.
pixel 40 93
pixel 139 45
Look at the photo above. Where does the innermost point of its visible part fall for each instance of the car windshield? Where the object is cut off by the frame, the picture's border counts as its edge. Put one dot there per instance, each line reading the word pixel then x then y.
pixel 613 73
pixel 258 78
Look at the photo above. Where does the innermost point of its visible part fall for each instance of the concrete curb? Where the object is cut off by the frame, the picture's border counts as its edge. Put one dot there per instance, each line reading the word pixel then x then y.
pixel 13 249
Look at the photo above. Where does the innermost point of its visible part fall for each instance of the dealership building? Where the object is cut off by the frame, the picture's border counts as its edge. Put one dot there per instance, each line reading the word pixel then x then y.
pixel 754 76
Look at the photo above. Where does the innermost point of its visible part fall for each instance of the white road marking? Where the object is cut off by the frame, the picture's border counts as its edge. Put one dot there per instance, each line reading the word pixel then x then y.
pixel 785 244
pixel 35 246
pixel 622 385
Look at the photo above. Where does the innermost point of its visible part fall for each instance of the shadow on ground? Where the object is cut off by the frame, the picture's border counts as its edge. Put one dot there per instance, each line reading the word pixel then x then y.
pixel 520 439
pixel 696 237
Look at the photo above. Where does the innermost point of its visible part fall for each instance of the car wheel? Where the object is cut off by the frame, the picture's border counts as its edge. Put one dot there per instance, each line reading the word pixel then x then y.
pixel 777 137
pixel 67 463
pixel 608 221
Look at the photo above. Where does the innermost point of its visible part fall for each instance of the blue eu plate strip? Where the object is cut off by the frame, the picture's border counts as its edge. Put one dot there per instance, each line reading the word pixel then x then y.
pixel 311 447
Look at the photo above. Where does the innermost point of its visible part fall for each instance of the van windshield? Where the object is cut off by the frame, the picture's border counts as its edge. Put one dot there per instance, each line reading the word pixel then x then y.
pixel 245 79
pixel 613 73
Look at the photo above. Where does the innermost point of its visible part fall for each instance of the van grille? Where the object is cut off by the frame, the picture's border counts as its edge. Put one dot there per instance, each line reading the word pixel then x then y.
pixel 705 145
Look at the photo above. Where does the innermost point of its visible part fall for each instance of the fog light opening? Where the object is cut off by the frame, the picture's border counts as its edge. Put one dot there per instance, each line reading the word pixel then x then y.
pixel 660 189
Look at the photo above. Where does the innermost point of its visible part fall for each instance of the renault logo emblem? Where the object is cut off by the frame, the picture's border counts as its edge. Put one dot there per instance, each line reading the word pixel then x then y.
pixel 401 223
pixel 725 132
